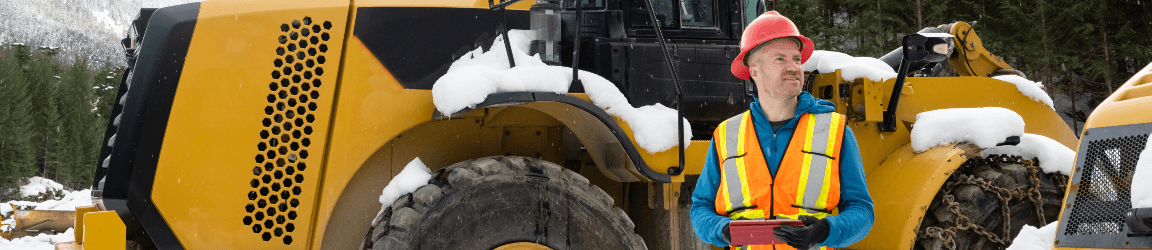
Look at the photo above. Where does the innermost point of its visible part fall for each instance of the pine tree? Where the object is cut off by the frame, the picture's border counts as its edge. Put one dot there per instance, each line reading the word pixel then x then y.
pixel 43 76
pixel 73 99
pixel 17 155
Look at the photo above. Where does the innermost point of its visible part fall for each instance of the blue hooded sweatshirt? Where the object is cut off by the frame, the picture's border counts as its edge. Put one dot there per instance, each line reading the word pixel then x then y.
pixel 856 208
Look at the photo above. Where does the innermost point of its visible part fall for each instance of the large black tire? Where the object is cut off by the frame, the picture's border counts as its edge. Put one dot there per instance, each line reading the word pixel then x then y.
pixel 493 201
pixel 982 205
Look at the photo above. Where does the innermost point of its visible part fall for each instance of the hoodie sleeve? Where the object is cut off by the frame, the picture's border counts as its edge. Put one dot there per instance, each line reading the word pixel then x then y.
pixel 708 225
pixel 856 208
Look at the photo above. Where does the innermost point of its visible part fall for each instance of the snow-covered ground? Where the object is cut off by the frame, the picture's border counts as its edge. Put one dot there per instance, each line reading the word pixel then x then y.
pixel 40 187
pixel 1032 238
pixel 478 74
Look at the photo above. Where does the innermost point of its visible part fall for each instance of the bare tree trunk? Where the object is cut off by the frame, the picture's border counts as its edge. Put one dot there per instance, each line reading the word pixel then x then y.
pixel 1147 16
pixel 919 14
pixel 1046 67
pixel 880 31
pixel 1072 87
pixel 1107 51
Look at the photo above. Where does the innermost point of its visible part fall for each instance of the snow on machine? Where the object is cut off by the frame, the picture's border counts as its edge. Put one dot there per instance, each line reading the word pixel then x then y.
pixel 281 124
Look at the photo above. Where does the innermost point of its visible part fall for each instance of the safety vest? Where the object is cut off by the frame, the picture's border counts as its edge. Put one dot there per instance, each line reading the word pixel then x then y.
pixel 807 181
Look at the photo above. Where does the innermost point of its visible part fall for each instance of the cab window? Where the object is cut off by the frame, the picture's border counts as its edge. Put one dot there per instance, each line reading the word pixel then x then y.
pixel 687 14
pixel 588 4
pixel 696 13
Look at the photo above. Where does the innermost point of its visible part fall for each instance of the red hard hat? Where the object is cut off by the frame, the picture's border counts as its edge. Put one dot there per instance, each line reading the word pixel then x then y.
pixel 768 26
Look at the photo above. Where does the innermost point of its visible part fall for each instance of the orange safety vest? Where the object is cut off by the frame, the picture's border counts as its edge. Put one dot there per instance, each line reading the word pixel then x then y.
pixel 806 183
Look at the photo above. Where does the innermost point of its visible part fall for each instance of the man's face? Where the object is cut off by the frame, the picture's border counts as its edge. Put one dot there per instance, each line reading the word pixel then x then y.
pixel 776 69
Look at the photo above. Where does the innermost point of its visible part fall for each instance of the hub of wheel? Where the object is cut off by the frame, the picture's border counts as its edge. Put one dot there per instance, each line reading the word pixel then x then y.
pixel 523 246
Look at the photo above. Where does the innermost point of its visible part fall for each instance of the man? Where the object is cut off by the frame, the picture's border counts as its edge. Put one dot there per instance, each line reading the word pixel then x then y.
pixel 788 156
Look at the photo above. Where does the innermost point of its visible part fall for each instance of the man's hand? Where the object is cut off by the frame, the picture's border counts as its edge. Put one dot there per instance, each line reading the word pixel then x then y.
pixel 727 234
pixel 813 232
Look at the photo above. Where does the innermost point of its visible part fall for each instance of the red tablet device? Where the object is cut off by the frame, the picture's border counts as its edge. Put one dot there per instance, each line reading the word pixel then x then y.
pixel 757 232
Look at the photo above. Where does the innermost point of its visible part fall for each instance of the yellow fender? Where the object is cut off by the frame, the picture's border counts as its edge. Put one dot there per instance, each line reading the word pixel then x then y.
pixel 902 188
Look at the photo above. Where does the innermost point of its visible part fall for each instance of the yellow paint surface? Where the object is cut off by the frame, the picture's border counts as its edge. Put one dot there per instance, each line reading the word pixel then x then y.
pixel 206 166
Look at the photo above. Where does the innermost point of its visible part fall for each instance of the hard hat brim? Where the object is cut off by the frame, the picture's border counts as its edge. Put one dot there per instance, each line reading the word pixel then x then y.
pixel 741 71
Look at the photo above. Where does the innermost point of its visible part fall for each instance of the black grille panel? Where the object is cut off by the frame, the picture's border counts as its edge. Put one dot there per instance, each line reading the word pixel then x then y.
pixel 1104 190
pixel 282 155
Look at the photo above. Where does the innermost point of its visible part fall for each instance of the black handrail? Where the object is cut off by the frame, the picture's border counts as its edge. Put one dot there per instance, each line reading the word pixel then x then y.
pixel 676 81
pixel 504 26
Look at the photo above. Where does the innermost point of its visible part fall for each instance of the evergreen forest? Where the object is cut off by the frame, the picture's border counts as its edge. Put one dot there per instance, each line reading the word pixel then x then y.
pixel 53 116
pixel 1076 48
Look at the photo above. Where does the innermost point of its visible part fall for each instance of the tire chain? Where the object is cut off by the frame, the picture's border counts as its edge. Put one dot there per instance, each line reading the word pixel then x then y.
pixel 962 222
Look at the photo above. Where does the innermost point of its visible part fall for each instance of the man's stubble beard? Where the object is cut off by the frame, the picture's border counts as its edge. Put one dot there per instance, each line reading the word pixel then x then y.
pixel 783 93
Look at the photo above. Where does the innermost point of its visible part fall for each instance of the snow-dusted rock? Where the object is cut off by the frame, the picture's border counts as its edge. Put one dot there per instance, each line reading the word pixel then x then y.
pixel 38 185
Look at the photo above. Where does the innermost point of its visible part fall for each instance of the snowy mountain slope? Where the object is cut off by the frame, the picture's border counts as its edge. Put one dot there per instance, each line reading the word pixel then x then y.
pixel 79 28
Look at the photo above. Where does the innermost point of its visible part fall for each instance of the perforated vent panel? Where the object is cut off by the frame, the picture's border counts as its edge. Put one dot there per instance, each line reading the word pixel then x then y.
pixel 1105 180
pixel 282 155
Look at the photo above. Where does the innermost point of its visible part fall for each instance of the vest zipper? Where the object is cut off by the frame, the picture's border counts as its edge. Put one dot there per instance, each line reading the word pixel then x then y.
pixel 772 208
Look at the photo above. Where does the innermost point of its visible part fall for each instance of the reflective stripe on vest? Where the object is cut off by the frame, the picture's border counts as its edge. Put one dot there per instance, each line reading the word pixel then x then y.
pixel 806 183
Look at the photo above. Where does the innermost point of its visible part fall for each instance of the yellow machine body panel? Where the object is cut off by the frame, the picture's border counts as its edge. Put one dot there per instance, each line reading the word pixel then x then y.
pixel 1122 107
pixel 241 165
pixel 103 231
pixel 903 186
pixel 1129 105
pixel 926 94
pixel 370 129
pixel 379 126
pixel 973 59
pixel 922 94
pixel 903 183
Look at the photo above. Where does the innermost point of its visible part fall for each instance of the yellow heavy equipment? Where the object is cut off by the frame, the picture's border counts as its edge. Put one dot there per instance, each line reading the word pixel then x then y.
pixel 255 124
pixel 1098 212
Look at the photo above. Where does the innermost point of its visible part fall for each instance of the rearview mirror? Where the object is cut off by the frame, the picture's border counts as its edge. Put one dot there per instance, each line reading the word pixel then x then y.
pixel 931 47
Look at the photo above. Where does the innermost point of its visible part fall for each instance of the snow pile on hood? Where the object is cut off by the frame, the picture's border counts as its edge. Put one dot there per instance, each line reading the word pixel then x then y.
pixel 38 185
pixel 1034 90
pixel 1032 238
pixel 850 67
pixel 42 241
pixel 984 127
pixel 1142 178
pixel 478 74
pixel 414 176
pixel 1054 157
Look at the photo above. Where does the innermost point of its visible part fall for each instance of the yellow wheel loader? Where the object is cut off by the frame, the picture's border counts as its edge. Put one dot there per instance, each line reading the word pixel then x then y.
pixel 254 124
pixel 1098 212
